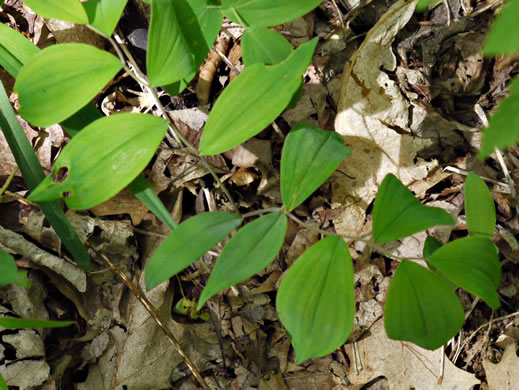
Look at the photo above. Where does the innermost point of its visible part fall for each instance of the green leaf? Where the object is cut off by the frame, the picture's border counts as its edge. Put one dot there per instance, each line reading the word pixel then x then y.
pixel 103 159
pixel 3 385
pixel 187 243
pixel 248 252
pixel 423 4
pixel 24 323
pixel 310 156
pixel 264 46
pixel 430 246
pixel 253 100
pixel 316 299
pixel 266 13
pixel 501 39
pixel 479 207
pixel 104 14
pixel 503 127
pixel 8 270
pixel 33 174
pixel 15 50
pixel 59 80
pixel 181 34
pixel 142 191
pixel 69 10
pixel 472 264
pixel 422 307
pixel 397 213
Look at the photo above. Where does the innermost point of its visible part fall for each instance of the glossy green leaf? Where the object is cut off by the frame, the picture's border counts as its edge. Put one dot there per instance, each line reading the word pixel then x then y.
pixel 3 385
pixel 104 14
pixel 8 270
pixel 187 243
pixel 24 323
pixel 397 213
pixel 501 39
pixel 102 159
pixel 253 100
pixel 251 249
pixel 69 10
pixel 59 80
pixel 479 207
pixel 423 4
pixel 15 50
pixel 191 26
pixel 264 46
pixel 310 156
pixel 33 174
pixel 472 264
pixel 316 299
pixel 503 127
pixel 422 307
pixel 266 13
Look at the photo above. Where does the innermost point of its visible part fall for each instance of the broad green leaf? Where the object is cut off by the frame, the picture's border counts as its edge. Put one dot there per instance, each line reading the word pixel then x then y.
pixel 422 307
pixel 423 4
pixel 102 159
pixel 8 270
pixel 501 39
pixel 430 246
pixel 104 14
pixel 59 80
pixel 3 385
pixel 181 34
pixel 310 156
pixel 316 299
pixel 24 323
pixel 264 46
pixel 253 100
pixel 248 252
pixel 472 264
pixel 266 13
pixel 33 174
pixel 397 213
pixel 15 50
pixel 187 243
pixel 503 127
pixel 479 207
pixel 69 10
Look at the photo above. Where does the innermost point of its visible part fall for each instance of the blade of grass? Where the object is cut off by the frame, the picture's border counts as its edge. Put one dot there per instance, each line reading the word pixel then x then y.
pixel 17 50
pixel 33 175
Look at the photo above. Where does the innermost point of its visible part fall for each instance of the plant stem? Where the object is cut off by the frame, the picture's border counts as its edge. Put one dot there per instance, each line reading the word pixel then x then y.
pixel 262 211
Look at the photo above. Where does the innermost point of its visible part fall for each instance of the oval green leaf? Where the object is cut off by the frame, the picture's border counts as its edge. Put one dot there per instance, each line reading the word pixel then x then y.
pixel 15 50
pixel 503 126
pixel 181 34
pixel 479 207
pixel 500 39
pixel 266 13
pixel 397 213
pixel 25 323
pixel 248 252
pixel 104 14
pixel 316 299
pixel 422 307
pixel 264 46
pixel 252 101
pixel 69 10
pixel 310 156
pixel 103 159
pixel 59 80
pixel 187 243
pixel 8 270
pixel 472 264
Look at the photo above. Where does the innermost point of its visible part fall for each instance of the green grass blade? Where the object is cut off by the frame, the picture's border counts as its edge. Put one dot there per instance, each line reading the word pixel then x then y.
pixel 33 175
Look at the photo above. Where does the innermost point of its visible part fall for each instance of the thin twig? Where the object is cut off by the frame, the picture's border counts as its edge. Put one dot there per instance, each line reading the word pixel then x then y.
pixel 153 313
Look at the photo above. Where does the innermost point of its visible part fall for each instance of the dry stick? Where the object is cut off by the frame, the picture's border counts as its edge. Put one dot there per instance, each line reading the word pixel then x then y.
pixel 153 313
pixel 141 79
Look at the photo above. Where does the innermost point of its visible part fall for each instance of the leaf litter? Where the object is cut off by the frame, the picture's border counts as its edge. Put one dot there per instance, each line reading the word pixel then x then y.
pixel 403 109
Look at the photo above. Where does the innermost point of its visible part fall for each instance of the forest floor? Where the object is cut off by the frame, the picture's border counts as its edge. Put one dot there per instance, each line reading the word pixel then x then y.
pixel 445 90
